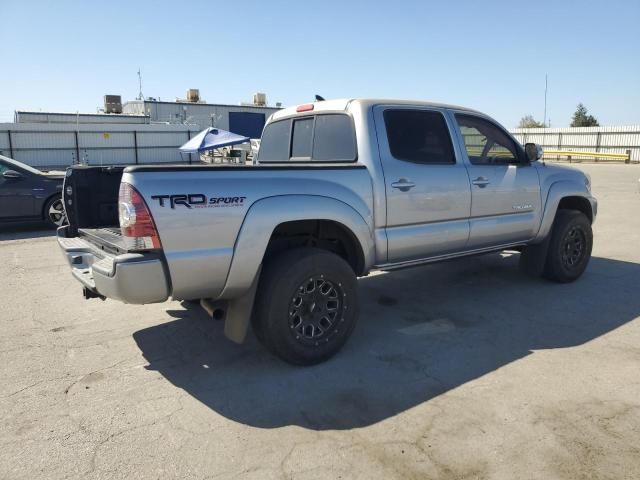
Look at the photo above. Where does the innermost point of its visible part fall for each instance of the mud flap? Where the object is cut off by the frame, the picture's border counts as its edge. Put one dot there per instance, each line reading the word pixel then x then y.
pixel 238 313
pixel 534 258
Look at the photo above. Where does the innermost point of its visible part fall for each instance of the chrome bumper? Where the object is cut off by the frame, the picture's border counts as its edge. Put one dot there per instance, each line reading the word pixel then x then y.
pixel 131 277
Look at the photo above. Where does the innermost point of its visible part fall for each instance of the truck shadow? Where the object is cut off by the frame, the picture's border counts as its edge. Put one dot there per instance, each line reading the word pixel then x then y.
pixel 25 230
pixel 421 332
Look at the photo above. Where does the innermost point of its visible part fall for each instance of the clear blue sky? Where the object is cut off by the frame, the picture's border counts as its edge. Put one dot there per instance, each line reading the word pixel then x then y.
pixel 490 55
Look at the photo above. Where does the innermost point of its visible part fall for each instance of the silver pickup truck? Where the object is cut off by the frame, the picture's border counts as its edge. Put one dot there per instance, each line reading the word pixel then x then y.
pixel 340 188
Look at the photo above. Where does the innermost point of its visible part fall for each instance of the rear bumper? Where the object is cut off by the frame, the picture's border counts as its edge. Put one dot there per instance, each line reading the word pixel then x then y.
pixel 130 277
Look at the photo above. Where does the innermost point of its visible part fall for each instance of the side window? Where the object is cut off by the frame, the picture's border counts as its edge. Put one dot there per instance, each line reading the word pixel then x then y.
pixel 418 136
pixel 486 144
pixel 274 145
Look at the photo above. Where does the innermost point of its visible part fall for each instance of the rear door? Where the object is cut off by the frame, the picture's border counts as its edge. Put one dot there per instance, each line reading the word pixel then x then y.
pixel 426 184
pixel 505 189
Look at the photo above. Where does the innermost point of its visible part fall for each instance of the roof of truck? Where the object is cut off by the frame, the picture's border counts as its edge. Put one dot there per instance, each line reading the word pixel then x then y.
pixel 343 103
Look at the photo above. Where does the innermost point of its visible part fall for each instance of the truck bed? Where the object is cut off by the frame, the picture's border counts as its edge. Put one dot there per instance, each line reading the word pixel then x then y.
pixel 91 197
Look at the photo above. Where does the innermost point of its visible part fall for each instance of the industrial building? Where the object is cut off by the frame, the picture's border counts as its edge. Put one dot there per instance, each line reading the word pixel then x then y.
pixel 135 132
pixel 247 120
pixel 150 131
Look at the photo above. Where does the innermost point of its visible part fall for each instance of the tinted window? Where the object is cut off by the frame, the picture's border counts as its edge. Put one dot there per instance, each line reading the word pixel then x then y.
pixel 302 138
pixel 274 146
pixel 418 136
pixel 334 138
pixel 486 144
pixel 321 138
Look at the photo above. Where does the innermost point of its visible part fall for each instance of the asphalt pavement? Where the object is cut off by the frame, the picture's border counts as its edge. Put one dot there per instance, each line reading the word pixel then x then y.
pixel 466 369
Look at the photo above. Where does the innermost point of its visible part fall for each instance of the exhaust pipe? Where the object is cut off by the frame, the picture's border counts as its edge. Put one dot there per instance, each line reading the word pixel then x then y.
pixel 214 309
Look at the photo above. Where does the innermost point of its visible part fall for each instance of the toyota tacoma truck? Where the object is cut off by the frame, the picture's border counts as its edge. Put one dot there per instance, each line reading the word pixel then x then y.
pixel 340 188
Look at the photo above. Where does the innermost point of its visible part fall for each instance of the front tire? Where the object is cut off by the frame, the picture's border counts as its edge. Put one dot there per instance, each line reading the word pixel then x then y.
pixel 307 305
pixel 570 246
pixel 54 213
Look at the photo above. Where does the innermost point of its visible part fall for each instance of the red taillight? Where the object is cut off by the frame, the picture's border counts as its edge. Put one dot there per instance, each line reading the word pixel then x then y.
pixel 136 223
pixel 304 108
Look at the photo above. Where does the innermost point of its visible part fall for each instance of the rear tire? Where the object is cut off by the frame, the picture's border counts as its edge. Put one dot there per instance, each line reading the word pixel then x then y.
pixel 307 305
pixel 54 213
pixel 570 246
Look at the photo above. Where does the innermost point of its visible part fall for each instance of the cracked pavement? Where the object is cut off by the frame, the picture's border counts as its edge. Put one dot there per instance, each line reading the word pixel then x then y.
pixel 458 370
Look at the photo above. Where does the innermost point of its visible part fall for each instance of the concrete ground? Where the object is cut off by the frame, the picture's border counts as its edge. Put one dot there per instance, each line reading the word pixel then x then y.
pixel 458 370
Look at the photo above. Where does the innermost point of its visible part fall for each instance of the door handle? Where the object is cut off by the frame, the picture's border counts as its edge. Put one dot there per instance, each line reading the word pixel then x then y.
pixel 481 182
pixel 404 185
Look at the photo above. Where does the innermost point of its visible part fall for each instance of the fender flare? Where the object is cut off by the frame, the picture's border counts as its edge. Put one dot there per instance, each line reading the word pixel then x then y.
pixel 265 215
pixel 558 191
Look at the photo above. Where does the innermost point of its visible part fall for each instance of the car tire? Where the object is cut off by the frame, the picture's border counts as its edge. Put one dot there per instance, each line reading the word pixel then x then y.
pixel 54 213
pixel 569 247
pixel 307 305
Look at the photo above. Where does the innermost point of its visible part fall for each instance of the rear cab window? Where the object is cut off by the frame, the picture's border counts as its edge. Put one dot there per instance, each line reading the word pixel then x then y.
pixel 327 137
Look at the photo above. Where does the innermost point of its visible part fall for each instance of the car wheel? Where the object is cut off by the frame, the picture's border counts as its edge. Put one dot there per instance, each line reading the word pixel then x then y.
pixel 307 305
pixel 54 212
pixel 570 246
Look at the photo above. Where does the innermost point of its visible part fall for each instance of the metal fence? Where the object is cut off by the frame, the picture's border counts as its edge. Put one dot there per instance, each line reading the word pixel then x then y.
pixel 605 140
pixel 57 146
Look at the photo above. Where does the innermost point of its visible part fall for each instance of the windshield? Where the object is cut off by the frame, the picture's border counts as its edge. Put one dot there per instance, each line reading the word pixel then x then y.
pixel 20 165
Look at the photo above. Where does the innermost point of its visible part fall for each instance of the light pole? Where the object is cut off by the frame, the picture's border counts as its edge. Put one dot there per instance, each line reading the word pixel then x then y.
pixel 546 86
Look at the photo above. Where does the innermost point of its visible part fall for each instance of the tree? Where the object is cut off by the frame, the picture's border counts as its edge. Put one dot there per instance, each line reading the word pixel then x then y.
pixel 581 118
pixel 529 122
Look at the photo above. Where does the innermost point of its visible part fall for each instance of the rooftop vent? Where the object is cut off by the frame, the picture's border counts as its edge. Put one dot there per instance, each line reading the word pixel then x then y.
pixel 193 95
pixel 260 99
pixel 112 104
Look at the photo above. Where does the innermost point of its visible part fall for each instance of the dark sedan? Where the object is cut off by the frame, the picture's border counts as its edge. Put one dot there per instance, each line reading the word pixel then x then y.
pixel 27 194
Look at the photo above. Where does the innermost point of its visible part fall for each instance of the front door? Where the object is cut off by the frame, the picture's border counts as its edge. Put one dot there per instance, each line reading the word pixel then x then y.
pixel 505 188
pixel 426 183
pixel 16 195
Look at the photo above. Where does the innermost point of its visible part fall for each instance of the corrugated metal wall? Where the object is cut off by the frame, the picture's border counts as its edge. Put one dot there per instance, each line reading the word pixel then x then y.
pixel 50 146
pixel 59 145
pixel 585 139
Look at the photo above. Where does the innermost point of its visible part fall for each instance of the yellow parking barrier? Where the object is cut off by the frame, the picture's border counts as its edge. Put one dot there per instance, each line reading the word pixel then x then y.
pixel 570 154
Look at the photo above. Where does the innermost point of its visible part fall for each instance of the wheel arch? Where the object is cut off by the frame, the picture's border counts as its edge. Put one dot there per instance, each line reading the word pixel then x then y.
pixel 574 202
pixel 327 235
pixel 565 195
pixel 283 217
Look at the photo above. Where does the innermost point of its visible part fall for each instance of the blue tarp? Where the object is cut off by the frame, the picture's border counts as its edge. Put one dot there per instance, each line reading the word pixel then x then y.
pixel 212 138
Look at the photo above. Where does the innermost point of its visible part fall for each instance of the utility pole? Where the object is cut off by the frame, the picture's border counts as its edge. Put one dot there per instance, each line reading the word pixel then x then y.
pixel 546 87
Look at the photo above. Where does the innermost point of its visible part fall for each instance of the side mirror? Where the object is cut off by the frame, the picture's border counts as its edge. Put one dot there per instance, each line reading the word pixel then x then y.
pixel 11 174
pixel 534 152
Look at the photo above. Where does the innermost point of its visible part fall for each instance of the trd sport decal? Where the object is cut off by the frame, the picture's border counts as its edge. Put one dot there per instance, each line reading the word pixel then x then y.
pixel 198 200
